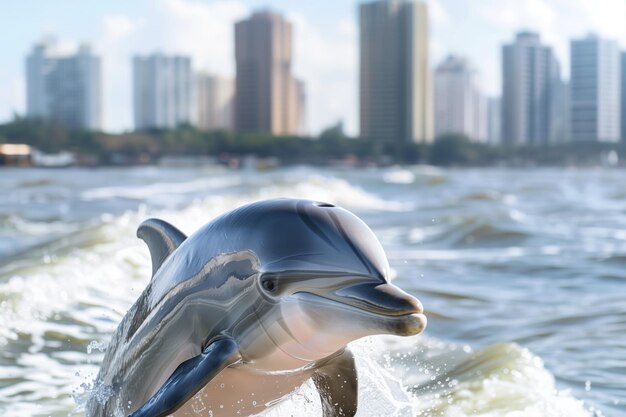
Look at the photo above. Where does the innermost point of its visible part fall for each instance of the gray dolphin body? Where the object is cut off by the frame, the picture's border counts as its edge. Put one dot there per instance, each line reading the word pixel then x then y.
pixel 241 313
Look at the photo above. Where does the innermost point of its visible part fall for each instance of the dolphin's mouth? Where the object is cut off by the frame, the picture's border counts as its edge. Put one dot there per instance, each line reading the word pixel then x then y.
pixel 383 299
pixel 402 312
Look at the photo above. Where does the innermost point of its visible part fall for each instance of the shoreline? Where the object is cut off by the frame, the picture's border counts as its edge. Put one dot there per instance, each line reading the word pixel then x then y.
pixel 26 142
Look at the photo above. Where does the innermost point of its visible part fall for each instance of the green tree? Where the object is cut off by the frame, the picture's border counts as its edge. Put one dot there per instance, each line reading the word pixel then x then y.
pixel 453 149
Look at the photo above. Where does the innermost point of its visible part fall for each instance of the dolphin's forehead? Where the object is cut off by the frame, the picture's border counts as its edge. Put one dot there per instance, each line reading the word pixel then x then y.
pixel 292 235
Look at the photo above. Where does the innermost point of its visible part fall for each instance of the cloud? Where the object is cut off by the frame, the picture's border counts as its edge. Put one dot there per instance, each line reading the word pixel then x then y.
pixel 437 13
pixel 537 15
pixel 608 17
pixel 205 31
pixel 515 13
pixel 120 26
pixel 326 60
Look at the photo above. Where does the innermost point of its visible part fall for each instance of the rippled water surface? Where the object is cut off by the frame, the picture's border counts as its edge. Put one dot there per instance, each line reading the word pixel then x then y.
pixel 522 273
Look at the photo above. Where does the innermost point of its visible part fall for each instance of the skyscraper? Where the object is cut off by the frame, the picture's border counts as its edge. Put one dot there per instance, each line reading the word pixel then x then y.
pixel 623 104
pixel 531 82
pixel 460 107
pixel 65 88
pixel 215 96
pixel 302 110
pixel 595 90
pixel 494 120
pixel 162 91
pixel 266 93
pixel 395 79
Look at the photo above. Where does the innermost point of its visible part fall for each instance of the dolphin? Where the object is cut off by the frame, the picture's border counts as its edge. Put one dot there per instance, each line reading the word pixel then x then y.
pixel 240 314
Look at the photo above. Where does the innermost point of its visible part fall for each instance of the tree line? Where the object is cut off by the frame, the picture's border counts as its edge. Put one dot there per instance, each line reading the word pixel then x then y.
pixel 330 145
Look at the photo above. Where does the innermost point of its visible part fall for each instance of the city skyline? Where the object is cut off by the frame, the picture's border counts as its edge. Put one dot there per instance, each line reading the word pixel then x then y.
pixel 118 30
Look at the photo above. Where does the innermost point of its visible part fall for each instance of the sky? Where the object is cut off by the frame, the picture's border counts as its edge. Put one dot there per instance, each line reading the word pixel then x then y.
pixel 325 41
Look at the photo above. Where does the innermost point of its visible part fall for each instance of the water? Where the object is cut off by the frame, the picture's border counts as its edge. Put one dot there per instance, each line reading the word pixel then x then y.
pixel 522 273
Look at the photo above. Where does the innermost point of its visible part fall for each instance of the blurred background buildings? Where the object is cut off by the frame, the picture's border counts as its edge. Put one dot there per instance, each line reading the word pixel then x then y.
pixel 395 81
pixel 595 90
pixel 64 87
pixel 401 97
pixel 162 96
pixel 215 100
pixel 532 105
pixel 460 107
pixel 267 97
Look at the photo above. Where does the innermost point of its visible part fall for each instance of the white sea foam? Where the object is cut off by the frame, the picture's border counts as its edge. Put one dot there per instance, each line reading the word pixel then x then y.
pixel 429 378
pixel 399 176
pixel 145 191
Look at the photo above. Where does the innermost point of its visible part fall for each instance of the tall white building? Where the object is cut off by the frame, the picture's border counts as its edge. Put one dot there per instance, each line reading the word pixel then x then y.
pixel 395 78
pixel 65 88
pixel 595 90
pixel 460 107
pixel 215 100
pixel 162 91
pixel 303 128
pixel 532 107
pixel 494 120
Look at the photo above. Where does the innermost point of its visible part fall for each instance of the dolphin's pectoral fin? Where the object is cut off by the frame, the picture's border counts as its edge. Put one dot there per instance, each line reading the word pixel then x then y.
pixel 162 239
pixel 189 378
pixel 337 384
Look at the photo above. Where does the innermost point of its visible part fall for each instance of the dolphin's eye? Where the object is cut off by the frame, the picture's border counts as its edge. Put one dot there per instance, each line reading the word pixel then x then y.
pixel 269 285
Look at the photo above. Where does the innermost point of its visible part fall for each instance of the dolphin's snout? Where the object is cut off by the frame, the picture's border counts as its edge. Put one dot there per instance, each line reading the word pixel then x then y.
pixel 385 299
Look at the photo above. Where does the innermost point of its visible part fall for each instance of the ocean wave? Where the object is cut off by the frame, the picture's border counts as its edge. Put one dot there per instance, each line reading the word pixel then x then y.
pixel 65 298
pixel 473 231
pixel 144 191
pixel 99 281
pixel 426 377
pixel 421 174
pixel 502 380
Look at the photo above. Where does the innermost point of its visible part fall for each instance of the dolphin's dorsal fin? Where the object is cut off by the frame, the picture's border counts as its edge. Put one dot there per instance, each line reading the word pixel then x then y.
pixel 162 239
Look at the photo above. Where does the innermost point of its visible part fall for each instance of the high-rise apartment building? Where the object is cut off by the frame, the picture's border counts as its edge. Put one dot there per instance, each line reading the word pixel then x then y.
pixel 215 98
pixel 533 107
pixel 162 91
pixel 494 120
pixel 303 128
pixel 266 93
pixel 595 90
pixel 460 107
pixel 395 80
pixel 65 88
